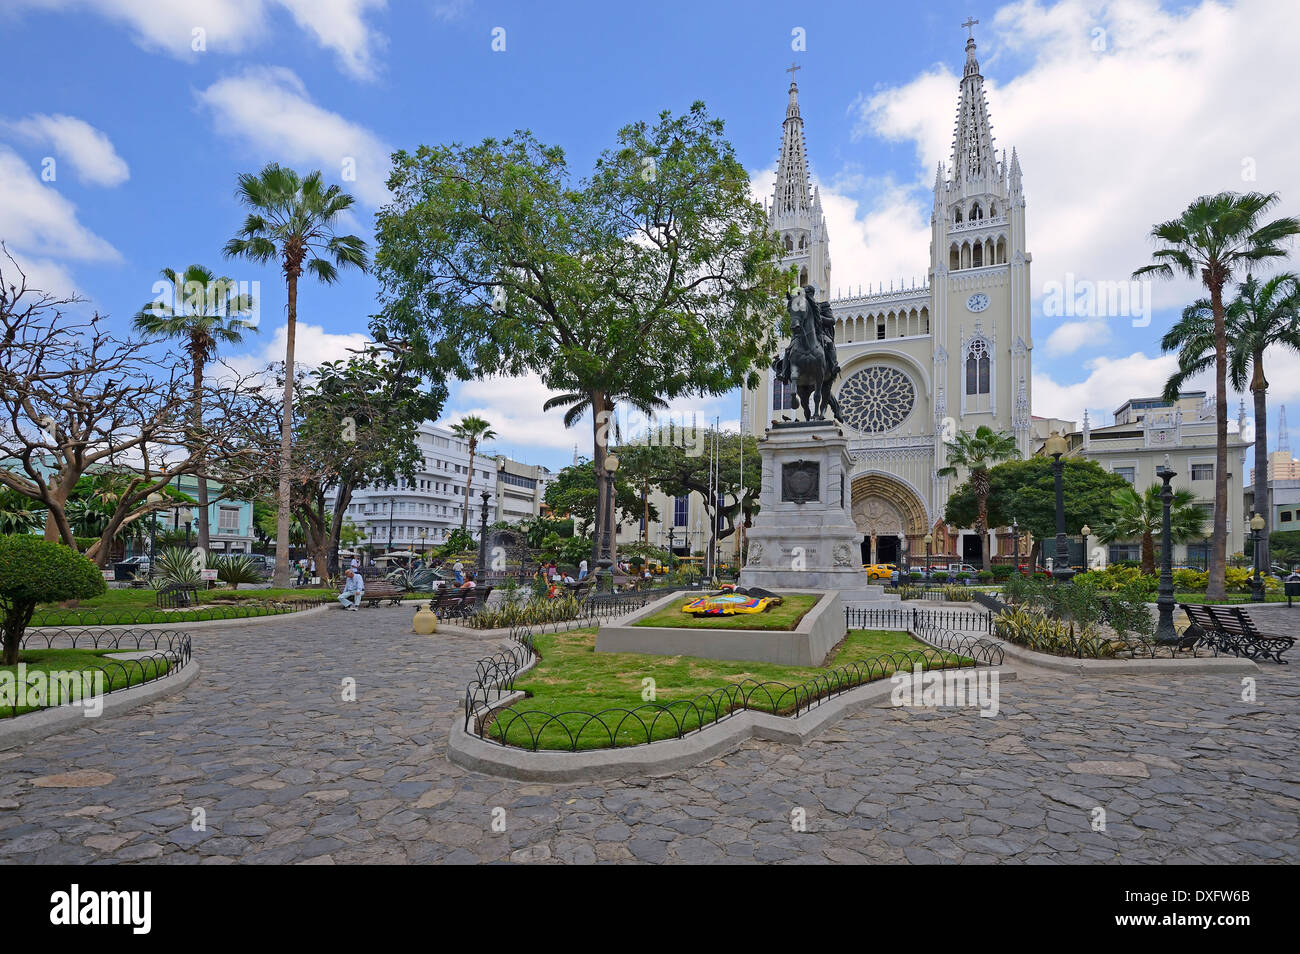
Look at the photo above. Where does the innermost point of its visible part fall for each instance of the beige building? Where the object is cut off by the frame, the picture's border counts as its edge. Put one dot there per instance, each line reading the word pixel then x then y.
pixel 521 488
pixel 1281 466
pixel 1149 432
pixel 920 359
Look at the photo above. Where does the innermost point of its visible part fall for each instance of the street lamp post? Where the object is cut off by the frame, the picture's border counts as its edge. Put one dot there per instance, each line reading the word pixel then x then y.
pixel 154 499
pixel 606 561
pixel 929 539
pixel 672 532
pixel 1257 581
pixel 390 524
pixel 424 542
pixel 1085 531
pixel 1165 632
pixel 482 539
pixel 1015 544
pixel 1056 447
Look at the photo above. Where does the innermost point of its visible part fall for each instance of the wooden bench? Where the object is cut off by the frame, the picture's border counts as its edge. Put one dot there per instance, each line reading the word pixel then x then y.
pixel 377 591
pixel 1229 630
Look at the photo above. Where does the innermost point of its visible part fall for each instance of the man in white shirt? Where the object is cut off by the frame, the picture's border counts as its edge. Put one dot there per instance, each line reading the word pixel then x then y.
pixel 353 589
pixel 582 570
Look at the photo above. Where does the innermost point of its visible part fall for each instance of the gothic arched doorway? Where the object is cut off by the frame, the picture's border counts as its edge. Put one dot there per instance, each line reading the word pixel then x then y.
pixel 890 516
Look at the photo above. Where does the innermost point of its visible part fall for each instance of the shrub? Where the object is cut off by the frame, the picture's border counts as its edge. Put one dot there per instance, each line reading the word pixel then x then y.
pixel 984 576
pixel 35 571
pixel 1035 630
pixel 526 614
pixel 235 570
pixel 941 576
pixel 916 576
pixel 1188 580
pixel 1002 572
pixel 176 565
pixel 958 594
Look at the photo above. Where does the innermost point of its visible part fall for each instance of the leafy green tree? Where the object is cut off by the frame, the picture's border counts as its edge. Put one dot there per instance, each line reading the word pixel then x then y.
pixel 473 429
pixel 1216 235
pixel 573 492
pixel 654 277
pixel 1261 316
pixel 34 571
pixel 293 218
pixel 204 312
pixel 1023 492
pixel 1134 516
pixel 978 452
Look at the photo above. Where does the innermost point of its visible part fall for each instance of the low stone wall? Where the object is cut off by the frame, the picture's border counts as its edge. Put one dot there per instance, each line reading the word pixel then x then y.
pixel 820 630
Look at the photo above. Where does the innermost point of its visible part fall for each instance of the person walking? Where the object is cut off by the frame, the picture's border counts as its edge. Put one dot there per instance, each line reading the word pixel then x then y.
pixel 459 569
pixel 353 589
pixel 582 570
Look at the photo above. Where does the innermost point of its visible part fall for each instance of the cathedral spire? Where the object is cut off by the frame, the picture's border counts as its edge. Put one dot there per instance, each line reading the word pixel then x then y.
pixel 791 196
pixel 973 156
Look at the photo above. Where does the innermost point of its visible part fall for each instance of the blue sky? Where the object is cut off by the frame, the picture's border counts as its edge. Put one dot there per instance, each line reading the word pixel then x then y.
pixel 1121 112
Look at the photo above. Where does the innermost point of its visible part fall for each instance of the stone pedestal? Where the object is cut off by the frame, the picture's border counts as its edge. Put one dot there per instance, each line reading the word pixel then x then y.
pixel 804 537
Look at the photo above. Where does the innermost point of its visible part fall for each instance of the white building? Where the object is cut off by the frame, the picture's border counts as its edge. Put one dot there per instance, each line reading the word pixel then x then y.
pixel 919 360
pixel 425 511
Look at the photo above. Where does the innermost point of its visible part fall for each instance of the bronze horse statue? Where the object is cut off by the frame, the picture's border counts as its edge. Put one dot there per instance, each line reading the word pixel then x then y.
pixel 809 361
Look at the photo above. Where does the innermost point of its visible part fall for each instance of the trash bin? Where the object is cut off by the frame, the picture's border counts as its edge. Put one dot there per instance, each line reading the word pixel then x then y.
pixel 123 571
pixel 1292 588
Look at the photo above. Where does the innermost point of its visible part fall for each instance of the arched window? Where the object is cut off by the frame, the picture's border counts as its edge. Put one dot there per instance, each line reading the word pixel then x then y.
pixel 782 395
pixel 880 328
pixel 957 219
pixel 803 242
pixel 977 256
pixel 803 276
pixel 1002 250
pixel 789 245
pixel 993 210
pixel 977 366
pixel 954 257
pixel 976 213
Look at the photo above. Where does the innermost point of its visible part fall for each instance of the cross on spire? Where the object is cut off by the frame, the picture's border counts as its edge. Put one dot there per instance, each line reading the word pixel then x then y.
pixel 970 26
pixel 793 67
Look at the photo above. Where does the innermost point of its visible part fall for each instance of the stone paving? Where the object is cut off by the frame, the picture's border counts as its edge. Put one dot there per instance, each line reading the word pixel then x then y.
pixel 285 771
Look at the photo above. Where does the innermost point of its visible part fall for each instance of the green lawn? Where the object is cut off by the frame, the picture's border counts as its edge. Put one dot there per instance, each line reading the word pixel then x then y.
pixel 1230 598
pixel 786 616
pixel 117 674
pixel 122 606
pixel 571 677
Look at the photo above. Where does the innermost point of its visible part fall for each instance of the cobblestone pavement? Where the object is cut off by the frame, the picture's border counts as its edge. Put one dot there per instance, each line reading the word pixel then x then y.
pixel 285 771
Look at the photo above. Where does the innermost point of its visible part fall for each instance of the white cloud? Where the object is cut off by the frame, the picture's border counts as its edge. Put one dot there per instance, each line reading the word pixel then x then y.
pixel 176 27
pixel 36 219
pixel 89 151
pixel 1113 141
pixel 312 347
pixel 1109 380
pixel 269 107
pixel 1072 336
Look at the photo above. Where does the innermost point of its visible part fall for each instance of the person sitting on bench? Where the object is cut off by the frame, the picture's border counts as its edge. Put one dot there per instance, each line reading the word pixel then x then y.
pixel 353 589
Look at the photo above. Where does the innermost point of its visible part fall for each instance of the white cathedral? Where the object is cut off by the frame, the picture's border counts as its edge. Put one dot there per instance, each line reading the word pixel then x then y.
pixel 919 363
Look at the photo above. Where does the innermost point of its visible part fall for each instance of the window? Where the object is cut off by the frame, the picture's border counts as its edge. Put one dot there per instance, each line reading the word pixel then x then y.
pixel 1128 473
pixel 1285 516
pixel 227 520
pixel 1202 472
pixel 1121 552
pixel 782 396
pixel 977 367
pixel 680 507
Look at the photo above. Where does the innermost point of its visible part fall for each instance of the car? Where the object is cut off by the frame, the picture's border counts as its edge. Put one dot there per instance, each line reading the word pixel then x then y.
pixel 880 571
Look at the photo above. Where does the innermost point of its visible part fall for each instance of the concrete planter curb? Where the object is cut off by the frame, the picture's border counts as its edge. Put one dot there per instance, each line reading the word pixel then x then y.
pixel 37 725
pixel 665 757
pixel 1126 667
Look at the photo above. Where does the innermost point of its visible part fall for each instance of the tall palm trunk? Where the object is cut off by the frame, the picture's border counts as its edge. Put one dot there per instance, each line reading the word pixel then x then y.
pixel 1149 553
pixel 464 517
pixel 980 484
pixel 197 410
pixel 600 449
pixel 283 515
pixel 1259 390
pixel 1217 585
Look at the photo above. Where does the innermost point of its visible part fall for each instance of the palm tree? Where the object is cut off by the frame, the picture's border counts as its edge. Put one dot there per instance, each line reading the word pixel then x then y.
pixel 578 404
pixel 204 311
pixel 472 429
pixel 16 515
pixel 293 219
pixel 1209 241
pixel 977 453
pixel 1262 315
pixel 1134 516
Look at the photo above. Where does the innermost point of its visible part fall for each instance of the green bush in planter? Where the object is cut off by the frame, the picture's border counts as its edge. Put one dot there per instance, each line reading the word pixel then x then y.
pixel 941 576
pixel 1189 580
pixel 1002 572
pixel 35 571
pixel 984 576
pixel 916 576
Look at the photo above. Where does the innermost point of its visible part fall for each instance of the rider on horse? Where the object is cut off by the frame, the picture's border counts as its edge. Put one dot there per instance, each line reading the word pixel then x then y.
pixel 825 331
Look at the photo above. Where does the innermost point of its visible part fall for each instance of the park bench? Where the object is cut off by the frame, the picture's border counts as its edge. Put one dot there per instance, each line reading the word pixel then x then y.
pixel 1230 630
pixel 470 601
pixel 176 596
pixel 378 591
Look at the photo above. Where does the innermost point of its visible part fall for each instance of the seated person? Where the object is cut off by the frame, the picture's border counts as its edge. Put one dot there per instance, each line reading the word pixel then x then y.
pixel 469 583
pixel 353 589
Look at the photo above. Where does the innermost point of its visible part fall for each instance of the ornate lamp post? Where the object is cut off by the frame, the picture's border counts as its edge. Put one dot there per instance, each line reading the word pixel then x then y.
pixel 1165 632
pixel 1056 448
pixel 929 539
pixel 482 538
pixel 1085 531
pixel 672 532
pixel 1256 581
pixel 424 542
pixel 154 499
pixel 1015 543
pixel 606 561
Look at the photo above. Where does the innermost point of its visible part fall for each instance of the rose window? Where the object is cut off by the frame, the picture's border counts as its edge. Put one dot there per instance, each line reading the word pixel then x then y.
pixel 877 399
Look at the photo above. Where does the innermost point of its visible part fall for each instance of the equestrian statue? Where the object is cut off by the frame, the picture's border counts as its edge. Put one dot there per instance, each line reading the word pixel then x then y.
pixel 810 362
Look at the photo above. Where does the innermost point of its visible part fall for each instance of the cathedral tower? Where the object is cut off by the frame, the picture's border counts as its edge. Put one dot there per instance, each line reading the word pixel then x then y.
pixel 795 213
